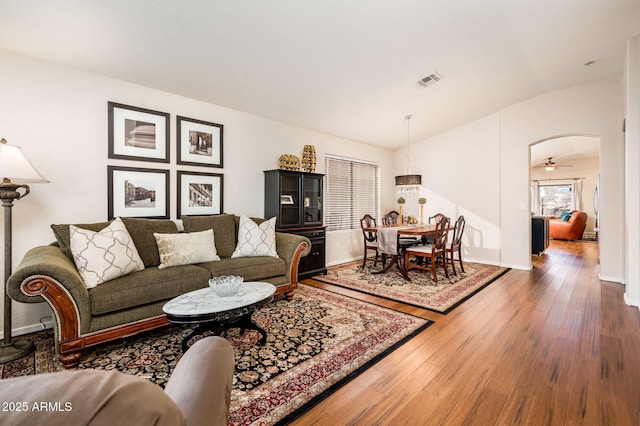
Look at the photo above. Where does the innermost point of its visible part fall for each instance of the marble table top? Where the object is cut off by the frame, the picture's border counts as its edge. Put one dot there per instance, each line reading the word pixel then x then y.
pixel 205 301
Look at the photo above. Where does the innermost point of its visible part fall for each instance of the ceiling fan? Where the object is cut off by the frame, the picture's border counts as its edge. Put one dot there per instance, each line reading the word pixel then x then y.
pixel 551 165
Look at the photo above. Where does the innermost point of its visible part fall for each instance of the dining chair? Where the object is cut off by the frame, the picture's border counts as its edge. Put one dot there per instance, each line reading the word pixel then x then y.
pixel 456 244
pixel 436 218
pixel 370 238
pixel 435 252
pixel 432 219
pixel 391 218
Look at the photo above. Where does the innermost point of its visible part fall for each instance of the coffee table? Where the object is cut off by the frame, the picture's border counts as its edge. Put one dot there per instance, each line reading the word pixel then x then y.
pixel 214 313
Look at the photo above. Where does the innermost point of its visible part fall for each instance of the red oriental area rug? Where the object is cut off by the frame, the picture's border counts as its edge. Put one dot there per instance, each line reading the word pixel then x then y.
pixel 421 291
pixel 316 343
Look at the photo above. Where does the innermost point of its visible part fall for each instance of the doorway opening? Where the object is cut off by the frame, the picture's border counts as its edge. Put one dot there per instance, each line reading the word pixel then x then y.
pixel 564 177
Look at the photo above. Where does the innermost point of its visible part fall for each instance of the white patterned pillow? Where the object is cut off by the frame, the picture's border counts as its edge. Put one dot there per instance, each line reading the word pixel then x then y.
pixel 105 255
pixel 256 240
pixel 186 249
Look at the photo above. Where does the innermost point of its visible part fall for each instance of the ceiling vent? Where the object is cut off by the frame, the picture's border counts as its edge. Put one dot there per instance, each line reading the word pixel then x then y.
pixel 429 80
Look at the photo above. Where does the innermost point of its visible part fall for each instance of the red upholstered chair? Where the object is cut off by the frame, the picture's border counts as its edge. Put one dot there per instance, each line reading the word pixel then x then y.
pixel 568 230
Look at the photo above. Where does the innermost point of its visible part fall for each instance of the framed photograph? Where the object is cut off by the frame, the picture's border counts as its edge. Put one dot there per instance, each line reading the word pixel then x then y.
pixel 135 192
pixel 199 142
pixel 286 199
pixel 199 193
pixel 138 133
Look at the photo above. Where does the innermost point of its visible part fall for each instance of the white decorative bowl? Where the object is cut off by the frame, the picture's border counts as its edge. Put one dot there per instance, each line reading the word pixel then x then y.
pixel 225 285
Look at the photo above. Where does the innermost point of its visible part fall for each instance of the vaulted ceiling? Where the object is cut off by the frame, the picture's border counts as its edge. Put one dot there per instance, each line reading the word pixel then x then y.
pixel 344 67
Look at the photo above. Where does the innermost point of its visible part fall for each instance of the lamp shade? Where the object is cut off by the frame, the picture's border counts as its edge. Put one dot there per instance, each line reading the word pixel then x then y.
pixel 15 167
pixel 403 180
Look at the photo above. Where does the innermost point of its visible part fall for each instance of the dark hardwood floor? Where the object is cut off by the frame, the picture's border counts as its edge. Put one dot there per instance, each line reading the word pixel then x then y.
pixel 554 346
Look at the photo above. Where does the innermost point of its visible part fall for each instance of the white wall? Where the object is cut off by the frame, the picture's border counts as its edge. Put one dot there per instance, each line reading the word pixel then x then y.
pixel 59 117
pixel 481 170
pixel 632 171
pixel 591 110
pixel 461 175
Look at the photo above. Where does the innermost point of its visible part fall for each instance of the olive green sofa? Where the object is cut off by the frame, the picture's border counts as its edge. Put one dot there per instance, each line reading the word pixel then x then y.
pixel 124 306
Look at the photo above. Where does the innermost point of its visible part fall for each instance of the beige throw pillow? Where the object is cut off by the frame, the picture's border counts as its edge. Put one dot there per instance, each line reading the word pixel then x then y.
pixel 186 249
pixel 256 240
pixel 104 255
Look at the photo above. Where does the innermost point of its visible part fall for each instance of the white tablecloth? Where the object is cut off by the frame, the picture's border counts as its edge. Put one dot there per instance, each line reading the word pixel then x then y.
pixel 388 240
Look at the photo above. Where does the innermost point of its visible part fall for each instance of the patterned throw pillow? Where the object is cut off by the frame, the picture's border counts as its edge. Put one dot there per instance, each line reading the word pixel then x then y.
pixel 566 216
pixel 256 240
pixel 104 255
pixel 186 249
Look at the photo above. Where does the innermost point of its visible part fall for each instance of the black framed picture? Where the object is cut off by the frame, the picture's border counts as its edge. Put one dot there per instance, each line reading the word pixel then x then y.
pixel 136 192
pixel 199 193
pixel 138 133
pixel 199 142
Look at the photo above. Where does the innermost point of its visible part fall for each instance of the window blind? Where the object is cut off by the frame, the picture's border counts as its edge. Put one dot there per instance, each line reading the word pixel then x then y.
pixel 352 189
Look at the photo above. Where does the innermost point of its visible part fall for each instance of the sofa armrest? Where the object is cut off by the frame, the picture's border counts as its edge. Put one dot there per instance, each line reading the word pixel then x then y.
pixel 87 397
pixel 47 274
pixel 291 248
pixel 201 382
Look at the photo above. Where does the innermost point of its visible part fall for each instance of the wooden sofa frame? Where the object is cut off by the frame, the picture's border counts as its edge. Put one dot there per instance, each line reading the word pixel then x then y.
pixel 65 311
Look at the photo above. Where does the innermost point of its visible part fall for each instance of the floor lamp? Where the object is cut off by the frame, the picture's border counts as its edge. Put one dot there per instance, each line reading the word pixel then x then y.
pixel 13 166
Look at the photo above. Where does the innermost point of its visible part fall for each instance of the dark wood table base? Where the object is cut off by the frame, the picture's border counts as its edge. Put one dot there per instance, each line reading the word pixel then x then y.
pixel 396 259
pixel 219 328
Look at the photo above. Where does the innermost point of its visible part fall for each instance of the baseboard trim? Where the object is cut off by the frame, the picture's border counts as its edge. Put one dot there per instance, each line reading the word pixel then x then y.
pixel 341 261
pixel 481 261
pixel 631 302
pixel 32 328
pixel 520 267
pixel 611 279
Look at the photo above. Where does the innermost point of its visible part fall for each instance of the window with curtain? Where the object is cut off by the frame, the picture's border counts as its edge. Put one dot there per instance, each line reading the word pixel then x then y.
pixel 554 198
pixel 352 189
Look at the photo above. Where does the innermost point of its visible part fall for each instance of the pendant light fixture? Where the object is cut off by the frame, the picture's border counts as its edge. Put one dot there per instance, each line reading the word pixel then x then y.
pixel 408 182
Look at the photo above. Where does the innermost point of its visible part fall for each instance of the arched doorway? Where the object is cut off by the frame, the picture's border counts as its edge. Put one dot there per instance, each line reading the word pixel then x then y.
pixel 564 175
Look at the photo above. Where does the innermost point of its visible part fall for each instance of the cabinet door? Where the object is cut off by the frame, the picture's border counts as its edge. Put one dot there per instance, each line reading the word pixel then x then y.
pixel 290 203
pixel 313 263
pixel 312 192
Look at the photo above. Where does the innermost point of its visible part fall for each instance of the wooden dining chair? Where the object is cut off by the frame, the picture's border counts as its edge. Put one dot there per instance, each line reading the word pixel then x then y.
pixel 455 246
pixel 370 239
pixel 433 252
pixel 390 218
pixel 432 219
pixel 404 241
pixel 436 218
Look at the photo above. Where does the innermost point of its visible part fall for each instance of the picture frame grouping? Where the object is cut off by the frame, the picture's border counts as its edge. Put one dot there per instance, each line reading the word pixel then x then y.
pixel 140 134
pixel 199 143
pixel 137 192
pixel 199 193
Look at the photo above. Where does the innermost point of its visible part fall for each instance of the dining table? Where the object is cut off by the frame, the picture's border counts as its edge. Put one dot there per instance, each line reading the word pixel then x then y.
pixel 389 243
